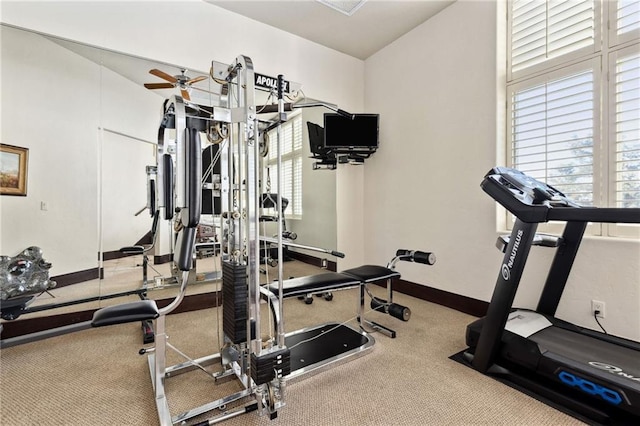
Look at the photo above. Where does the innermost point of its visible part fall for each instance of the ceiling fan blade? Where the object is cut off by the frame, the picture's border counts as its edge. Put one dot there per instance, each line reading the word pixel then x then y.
pixel 197 79
pixel 152 86
pixel 163 75
pixel 185 95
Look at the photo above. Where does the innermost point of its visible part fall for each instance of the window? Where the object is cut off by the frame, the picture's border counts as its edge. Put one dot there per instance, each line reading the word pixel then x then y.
pixel 291 151
pixel 573 90
pixel 625 128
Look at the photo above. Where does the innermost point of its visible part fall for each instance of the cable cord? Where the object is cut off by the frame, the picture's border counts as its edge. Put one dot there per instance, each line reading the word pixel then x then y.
pixel 191 360
pixel 595 316
pixel 332 329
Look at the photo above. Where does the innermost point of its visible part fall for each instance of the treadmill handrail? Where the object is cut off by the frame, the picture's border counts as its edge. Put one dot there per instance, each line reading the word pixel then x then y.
pixel 531 204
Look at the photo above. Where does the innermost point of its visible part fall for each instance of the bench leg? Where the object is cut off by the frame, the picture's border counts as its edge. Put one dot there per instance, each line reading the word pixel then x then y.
pixel 157 366
pixel 145 263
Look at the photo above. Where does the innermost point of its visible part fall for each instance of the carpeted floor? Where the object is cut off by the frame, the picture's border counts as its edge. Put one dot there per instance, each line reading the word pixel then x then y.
pixel 96 376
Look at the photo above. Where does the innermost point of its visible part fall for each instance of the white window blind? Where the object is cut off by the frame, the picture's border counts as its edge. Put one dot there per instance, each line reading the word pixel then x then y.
pixel 291 152
pixel 626 137
pixel 627 17
pixel 543 30
pixel 573 90
pixel 552 132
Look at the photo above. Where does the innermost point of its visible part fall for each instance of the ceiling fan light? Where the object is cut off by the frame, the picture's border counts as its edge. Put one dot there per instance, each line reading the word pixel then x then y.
pixel 346 7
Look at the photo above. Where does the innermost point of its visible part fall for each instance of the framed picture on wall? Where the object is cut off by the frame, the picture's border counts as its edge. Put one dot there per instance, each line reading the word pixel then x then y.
pixel 13 170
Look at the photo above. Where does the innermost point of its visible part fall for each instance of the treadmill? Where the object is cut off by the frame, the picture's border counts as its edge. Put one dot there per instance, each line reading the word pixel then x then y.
pixel 594 375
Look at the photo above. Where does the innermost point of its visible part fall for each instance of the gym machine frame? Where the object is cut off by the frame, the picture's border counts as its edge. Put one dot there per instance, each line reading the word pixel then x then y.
pixel 260 370
pixel 260 366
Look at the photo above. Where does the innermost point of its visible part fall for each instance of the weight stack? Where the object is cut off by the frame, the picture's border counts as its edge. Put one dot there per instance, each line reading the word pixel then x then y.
pixel 235 294
pixel 266 367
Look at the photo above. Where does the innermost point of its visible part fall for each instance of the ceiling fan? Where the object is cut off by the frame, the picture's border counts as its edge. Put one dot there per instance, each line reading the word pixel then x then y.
pixel 181 81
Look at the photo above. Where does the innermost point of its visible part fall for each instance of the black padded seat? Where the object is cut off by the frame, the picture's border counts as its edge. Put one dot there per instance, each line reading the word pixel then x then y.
pixel 142 310
pixel 371 273
pixel 132 250
pixel 301 286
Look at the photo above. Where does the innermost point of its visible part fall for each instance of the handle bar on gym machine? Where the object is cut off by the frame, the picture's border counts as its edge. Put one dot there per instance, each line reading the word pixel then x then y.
pixel 425 257
pixel 301 246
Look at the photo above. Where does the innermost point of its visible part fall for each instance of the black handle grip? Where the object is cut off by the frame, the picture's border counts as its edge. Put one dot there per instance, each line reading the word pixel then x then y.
pixel 337 254
pixel 398 311
pixel 424 257
pixel 395 310
pixel 346 114
pixel 417 256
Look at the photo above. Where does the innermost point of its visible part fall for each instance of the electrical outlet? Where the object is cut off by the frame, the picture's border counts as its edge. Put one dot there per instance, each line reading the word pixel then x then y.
pixel 597 305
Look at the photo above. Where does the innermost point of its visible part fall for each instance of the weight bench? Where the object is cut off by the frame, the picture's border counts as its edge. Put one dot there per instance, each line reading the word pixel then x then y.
pixel 368 274
pixel 315 348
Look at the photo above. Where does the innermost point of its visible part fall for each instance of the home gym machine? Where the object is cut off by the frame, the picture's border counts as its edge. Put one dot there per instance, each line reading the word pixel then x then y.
pixel 262 366
pixel 593 374
pixel 259 366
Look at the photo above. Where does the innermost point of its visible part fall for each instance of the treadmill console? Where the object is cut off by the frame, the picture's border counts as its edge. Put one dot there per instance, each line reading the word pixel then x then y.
pixel 534 201
pixel 526 188
pixel 527 198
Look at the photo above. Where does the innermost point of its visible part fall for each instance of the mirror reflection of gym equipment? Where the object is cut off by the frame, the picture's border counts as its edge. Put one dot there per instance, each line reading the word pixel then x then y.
pixel 114 278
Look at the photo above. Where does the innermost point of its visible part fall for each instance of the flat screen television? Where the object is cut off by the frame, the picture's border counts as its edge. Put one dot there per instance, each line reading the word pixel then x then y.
pixel 344 135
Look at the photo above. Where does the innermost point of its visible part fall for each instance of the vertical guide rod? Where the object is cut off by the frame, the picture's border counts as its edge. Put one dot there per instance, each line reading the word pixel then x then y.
pixel 281 115
pixel 248 183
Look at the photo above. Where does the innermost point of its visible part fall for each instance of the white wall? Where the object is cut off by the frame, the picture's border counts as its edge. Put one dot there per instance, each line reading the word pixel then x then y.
pixel 435 89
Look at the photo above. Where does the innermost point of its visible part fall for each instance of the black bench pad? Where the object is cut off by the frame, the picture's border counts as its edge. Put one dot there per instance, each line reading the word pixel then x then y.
pixel 327 281
pixel 371 273
pixel 132 250
pixel 127 312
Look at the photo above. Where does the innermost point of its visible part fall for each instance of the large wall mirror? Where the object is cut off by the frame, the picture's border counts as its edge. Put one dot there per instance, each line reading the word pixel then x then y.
pixel 90 127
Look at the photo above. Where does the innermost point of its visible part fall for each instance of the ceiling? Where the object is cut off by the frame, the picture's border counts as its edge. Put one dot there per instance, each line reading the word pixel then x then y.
pixel 376 24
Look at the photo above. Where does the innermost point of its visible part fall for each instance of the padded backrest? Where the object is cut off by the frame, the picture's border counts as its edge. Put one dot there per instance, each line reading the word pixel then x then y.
pixel 192 169
pixel 167 184
pixel 154 226
pixel 185 244
pixel 152 197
